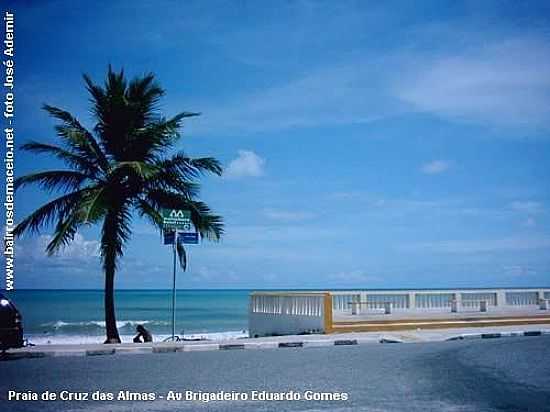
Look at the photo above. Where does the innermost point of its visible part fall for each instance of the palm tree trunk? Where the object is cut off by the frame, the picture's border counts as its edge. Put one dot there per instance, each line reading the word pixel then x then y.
pixel 110 245
pixel 110 317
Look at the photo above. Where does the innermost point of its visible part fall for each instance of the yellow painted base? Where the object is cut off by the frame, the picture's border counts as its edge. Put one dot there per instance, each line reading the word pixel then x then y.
pixel 407 324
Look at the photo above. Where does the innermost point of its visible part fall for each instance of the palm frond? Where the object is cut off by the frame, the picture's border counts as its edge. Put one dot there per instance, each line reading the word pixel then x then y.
pixel 77 137
pixel 208 224
pixel 207 165
pixel 172 176
pixel 54 180
pixel 189 168
pixel 143 170
pixel 98 97
pixel 144 94
pixel 63 234
pixel 156 136
pixel 95 204
pixel 56 210
pixel 149 212
pixel 74 160
pixel 110 108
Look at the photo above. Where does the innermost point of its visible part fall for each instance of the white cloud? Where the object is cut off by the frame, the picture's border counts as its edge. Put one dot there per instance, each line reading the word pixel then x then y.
pixel 435 167
pixel 246 164
pixel 503 83
pixel 79 248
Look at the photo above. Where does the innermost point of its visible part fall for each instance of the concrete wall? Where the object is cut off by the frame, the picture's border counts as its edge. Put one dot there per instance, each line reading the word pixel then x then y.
pixel 268 324
pixel 288 313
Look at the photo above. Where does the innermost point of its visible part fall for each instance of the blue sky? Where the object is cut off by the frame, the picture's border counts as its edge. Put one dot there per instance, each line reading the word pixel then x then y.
pixel 378 145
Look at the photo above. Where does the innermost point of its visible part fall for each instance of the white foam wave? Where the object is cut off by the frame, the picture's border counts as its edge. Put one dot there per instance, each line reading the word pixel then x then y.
pixel 59 339
pixel 100 323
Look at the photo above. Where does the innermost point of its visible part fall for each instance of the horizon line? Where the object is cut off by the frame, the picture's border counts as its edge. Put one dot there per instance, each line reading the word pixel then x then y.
pixel 273 289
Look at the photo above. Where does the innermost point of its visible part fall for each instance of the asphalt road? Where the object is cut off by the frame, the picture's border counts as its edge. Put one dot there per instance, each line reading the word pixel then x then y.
pixel 506 374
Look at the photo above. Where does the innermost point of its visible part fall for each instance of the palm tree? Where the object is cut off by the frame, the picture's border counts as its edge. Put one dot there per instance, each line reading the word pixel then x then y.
pixel 120 170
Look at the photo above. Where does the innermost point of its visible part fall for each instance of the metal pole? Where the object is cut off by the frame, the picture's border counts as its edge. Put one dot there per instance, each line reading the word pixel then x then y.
pixel 174 290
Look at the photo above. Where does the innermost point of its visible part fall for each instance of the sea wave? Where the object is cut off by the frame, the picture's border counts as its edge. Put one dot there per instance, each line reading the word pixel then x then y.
pixel 65 339
pixel 96 325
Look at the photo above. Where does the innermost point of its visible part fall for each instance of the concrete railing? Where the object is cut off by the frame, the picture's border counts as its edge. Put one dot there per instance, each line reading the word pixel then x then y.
pixel 284 313
pixel 287 313
pixel 358 301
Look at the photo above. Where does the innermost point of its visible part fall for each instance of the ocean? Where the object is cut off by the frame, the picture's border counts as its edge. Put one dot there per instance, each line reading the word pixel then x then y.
pixel 76 316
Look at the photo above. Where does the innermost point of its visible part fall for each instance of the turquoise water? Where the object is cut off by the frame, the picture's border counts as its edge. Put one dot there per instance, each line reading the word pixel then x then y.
pixel 76 316
pixel 59 316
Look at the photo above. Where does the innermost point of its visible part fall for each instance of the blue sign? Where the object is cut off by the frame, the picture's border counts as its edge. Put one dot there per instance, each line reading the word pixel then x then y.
pixel 189 238
pixel 169 237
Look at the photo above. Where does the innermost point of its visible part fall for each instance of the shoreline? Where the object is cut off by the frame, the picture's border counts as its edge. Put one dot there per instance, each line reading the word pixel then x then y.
pixel 76 339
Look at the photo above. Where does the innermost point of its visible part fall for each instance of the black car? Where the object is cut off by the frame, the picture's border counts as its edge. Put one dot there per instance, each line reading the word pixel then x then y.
pixel 11 328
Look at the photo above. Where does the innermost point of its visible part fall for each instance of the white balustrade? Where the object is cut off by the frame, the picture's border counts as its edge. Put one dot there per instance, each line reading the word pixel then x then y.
pixel 279 313
pixel 483 300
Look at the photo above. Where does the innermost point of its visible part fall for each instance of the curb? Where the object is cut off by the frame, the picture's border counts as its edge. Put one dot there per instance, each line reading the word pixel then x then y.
pixel 386 340
pixel 232 346
pixel 164 349
pixel 137 350
pixel 344 342
pixel 498 335
pixel 75 352
pixel 198 348
pixel 99 352
pixel 262 345
pixel 204 347
pixel 133 351
pixel 291 344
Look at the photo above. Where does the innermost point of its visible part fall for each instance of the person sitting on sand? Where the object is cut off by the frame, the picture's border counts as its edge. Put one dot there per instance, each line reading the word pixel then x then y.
pixel 144 334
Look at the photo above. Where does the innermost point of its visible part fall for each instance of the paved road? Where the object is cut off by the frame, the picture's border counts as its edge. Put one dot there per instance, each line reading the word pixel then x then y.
pixel 510 374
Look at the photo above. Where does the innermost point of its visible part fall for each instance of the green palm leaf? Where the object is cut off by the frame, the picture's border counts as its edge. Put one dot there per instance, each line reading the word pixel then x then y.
pixel 54 180
pixel 71 159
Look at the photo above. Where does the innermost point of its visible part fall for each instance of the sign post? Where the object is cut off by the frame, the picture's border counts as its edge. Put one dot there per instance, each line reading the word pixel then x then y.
pixel 174 289
pixel 177 222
